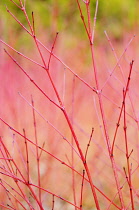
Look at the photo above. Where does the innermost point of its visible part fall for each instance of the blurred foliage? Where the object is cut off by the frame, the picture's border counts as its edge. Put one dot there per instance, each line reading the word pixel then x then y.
pixel 63 15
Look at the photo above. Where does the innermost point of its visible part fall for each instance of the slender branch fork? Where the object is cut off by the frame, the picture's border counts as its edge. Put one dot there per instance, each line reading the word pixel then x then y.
pixel 60 106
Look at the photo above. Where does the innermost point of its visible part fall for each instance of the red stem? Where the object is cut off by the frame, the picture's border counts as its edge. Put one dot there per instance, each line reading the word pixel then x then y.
pixel 127 154
pixel 37 150
pixel 81 199
pixel 27 157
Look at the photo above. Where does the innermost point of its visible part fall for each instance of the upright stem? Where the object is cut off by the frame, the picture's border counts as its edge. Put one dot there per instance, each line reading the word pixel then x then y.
pixel 76 142
pixel 37 149
pixel 106 130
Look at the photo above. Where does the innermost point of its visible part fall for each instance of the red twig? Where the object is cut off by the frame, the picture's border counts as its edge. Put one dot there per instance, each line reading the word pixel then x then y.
pixel 53 202
pixel 37 150
pixel 27 157
pixel 127 152
pixel 94 25
pixel 51 52
pixel 72 142
pixel 81 198
pixel 82 17
pixel 88 145
pixel 121 110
